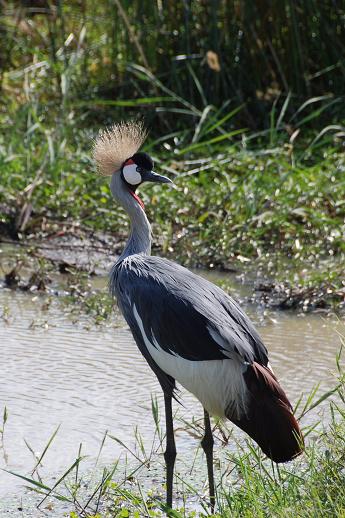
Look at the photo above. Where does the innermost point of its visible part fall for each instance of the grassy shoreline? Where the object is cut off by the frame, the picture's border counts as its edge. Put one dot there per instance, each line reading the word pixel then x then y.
pixel 248 484
pixel 252 211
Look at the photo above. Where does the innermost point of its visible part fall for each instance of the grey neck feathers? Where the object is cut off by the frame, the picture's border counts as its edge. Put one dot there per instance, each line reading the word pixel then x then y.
pixel 139 241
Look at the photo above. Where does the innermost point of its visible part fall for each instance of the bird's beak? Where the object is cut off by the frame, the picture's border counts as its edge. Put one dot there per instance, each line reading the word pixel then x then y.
pixel 150 176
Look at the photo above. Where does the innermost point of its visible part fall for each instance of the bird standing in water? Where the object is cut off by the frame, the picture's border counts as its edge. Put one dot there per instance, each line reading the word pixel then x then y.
pixel 188 329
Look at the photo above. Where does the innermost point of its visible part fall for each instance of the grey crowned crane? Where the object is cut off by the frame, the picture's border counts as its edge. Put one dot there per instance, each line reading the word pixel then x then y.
pixel 188 329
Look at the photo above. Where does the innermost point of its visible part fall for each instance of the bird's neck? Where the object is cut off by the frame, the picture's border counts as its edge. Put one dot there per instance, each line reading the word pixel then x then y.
pixel 139 240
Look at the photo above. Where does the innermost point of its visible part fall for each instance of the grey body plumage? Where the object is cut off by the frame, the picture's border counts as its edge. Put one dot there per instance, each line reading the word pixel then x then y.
pixel 179 308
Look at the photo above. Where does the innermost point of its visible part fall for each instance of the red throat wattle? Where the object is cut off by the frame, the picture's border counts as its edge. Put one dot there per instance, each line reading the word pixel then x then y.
pixel 136 197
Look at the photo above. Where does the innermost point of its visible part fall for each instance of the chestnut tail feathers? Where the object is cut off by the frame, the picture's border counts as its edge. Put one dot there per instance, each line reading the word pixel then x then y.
pixel 269 419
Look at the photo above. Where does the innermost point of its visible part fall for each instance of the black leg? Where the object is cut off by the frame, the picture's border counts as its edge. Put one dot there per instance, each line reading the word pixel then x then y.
pixel 170 452
pixel 207 445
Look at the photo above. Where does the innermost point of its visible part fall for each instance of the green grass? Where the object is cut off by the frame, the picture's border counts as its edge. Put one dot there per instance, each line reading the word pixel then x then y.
pixel 237 203
pixel 267 193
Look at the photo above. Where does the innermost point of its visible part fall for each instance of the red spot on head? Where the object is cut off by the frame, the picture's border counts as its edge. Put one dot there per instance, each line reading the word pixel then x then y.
pixel 129 162
pixel 136 197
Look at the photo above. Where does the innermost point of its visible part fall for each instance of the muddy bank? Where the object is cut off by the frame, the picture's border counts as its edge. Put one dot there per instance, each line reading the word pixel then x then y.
pixel 283 296
pixel 33 264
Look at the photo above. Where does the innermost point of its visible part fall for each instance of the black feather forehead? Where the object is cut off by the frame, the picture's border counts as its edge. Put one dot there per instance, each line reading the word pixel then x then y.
pixel 143 160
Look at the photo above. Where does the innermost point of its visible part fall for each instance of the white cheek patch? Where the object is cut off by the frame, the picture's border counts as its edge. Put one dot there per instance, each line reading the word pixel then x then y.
pixel 131 174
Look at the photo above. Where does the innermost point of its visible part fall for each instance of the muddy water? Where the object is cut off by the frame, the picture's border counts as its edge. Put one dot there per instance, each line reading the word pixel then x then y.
pixel 58 373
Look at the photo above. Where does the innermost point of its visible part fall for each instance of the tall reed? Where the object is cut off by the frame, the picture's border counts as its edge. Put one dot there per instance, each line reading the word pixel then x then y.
pixel 206 52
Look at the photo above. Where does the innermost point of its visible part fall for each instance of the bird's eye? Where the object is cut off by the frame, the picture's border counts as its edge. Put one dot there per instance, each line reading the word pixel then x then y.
pixel 140 169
